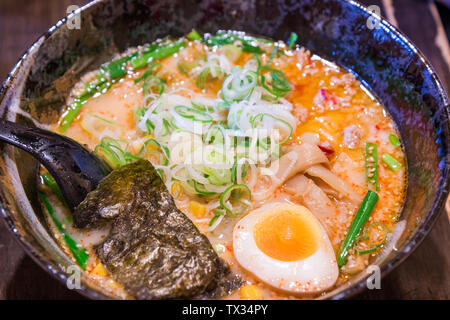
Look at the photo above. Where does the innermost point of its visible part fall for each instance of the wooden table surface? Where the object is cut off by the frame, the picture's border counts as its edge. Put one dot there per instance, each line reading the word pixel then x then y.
pixel 424 275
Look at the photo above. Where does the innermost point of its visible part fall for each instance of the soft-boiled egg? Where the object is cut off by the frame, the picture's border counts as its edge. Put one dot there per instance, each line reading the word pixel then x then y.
pixel 285 246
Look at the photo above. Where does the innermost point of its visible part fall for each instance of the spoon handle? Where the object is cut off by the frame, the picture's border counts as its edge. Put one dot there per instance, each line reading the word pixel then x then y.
pixel 76 170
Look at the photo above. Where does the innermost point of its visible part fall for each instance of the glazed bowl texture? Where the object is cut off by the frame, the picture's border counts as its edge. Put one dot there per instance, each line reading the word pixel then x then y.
pixel 383 59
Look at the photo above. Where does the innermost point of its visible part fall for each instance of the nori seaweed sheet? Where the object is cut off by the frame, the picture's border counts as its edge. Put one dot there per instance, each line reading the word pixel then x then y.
pixel 153 249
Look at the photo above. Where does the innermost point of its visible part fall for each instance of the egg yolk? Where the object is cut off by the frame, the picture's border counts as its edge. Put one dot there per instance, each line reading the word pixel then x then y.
pixel 287 235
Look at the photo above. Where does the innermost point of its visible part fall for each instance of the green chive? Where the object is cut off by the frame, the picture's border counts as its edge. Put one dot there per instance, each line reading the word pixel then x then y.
pixel 292 40
pixel 51 183
pixel 79 254
pixel 247 47
pixel 371 159
pixel 117 68
pixel 361 217
pixel 93 88
pixel 194 35
pixel 236 199
pixel 147 72
pixel 159 53
pixel 217 214
pixel 391 162
pixel 394 140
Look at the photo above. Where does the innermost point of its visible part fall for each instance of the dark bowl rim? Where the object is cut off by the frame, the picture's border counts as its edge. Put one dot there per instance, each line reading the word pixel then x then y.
pixel 412 244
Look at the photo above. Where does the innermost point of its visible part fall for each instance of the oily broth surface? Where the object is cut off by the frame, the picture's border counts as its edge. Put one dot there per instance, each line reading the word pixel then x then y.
pixel 326 99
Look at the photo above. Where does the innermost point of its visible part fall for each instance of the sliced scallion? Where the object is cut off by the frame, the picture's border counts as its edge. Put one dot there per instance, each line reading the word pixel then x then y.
pixel 371 161
pixel 147 72
pixel 111 151
pixel 277 84
pixel 239 84
pixel 194 35
pixel 160 149
pixel 79 253
pixel 381 231
pixel 117 68
pixel 158 53
pixel 217 214
pixel 292 40
pixel 153 84
pixel 391 162
pixel 185 67
pixel 99 86
pixel 394 140
pixel 193 114
pixel 48 180
pixel 236 199
pixel 260 117
pixel 200 189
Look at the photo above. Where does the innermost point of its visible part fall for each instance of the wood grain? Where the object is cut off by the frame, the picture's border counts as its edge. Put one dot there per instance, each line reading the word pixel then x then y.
pixel 424 275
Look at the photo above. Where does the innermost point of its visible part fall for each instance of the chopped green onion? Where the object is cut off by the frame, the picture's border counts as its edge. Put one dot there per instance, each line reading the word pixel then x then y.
pixel 147 72
pixel 260 117
pixel 161 150
pixel 200 189
pixel 202 77
pixel 217 214
pixel 359 220
pixel 201 108
pixel 394 140
pixel 153 83
pixel 204 74
pixel 194 35
pixel 272 55
pixel 79 254
pixel 218 176
pixel 236 199
pixel 117 68
pixel 292 40
pixel 100 86
pixel 214 134
pixel 111 151
pixel 222 38
pixel 185 67
pixel 51 183
pixel 371 159
pixel 234 170
pixel 247 47
pixel 239 84
pixel 138 114
pixel 232 52
pixel 166 125
pixel 391 162
pixel 158 53
pixel 367 235
pixel 193 114
pixel 279 84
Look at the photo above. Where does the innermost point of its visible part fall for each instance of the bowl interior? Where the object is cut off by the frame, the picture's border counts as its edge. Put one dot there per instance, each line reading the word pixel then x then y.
pixel 382 58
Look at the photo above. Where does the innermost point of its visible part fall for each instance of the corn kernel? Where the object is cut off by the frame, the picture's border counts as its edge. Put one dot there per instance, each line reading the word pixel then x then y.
pixel 251 292
pixel 176 189
pixel 100 270
pixel 197 209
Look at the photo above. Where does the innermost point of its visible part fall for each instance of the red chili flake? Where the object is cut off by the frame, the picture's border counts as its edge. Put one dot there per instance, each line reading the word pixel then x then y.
pixel 377 127
pixel 324 94
pixel 326 148
pixel 298 87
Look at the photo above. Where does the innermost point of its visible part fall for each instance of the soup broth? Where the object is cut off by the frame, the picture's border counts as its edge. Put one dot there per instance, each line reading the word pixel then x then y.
pixel 234 125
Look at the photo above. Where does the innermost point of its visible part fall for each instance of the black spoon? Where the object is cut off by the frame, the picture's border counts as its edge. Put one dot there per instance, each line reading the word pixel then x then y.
pixel 76 170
